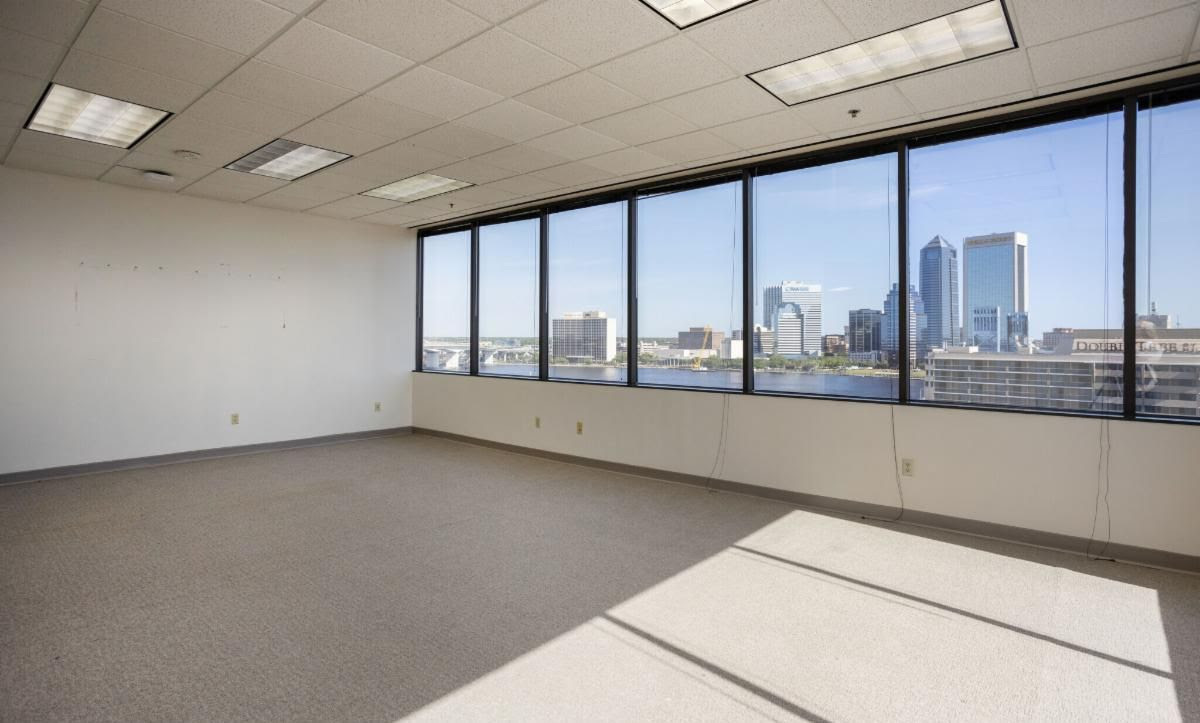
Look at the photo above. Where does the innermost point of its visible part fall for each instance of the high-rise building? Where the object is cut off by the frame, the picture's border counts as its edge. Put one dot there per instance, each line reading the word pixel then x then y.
pixel 996 291
pixel 807 297
pixel 584 336
pixel 939 293
pixel 700 337
pixel 917 322
pixel 863 334
pixel 789 324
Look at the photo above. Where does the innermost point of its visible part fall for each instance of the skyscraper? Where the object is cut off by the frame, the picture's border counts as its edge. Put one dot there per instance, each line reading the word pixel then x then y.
pixel 996 291
pixel 863 334
pixel 790 330
pixel 939 293
pixel 891 322
pixel 584 335
pixel 807 297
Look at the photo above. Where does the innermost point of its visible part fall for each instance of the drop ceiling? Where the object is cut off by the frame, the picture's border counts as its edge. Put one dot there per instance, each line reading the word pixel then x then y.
pixel 525 99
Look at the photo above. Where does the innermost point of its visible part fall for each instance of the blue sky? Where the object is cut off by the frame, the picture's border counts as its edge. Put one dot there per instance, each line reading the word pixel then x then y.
pixel 835 225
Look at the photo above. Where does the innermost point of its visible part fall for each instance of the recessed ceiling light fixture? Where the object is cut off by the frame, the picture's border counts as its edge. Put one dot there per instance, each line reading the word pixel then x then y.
pixel 971 33
pixel 689 12
pixel 414 188
pixel 286 160
pixel 86 116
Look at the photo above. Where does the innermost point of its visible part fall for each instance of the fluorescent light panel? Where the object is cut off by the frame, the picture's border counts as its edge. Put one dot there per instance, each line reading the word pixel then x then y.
pixel 286 160
pixel 687 12
pixel 970 33
pixel 415 188
pixel 90 117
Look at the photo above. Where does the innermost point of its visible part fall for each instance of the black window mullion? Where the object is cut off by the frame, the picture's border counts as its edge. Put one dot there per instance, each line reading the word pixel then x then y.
pixel 419 320
pixel 631 332
pixel 543 296
pixel 747 282
pixel 1129 288
pixel 902 300
pixel 474 348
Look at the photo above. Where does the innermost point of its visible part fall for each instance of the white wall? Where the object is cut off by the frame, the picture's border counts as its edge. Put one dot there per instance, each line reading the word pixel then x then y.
pixel 134 323
pixel 1032 471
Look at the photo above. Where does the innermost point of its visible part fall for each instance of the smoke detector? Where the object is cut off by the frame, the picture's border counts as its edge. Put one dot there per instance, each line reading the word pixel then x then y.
pixel 161 178
pixel 187 155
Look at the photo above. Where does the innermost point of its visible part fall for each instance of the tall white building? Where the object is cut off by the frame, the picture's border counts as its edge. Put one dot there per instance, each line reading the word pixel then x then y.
pixel 807 300
pixel 996 291
pixel 584 336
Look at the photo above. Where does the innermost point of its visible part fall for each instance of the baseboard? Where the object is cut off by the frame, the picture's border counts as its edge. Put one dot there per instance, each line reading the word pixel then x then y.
pixel 75 470
pixel 1008 533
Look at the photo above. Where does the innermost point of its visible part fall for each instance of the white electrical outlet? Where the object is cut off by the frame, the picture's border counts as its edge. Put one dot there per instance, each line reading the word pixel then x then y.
pixel 579 428
pixel 378 406
pixel 235 418
pixel 537 422
pixel 908 467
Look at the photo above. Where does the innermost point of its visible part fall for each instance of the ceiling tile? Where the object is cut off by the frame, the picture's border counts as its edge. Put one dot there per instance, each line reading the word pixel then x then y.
pixel 224 109
pixel 437 94
pixel 769 32
pixel 13 115
pixel 391 217
pixel 7 135
pixel 232 186
pixel 690 147
pixel 641 125
pixel 587 32
pixel 149 47
pixel 394 162
pixel 867 19
pixel 335 137
pixel 20 89
pixel 512 120
pixel 375 115
pixel 723 103
pixel 1161 37
pixel 34 161
pixel 521 158
pixel 217 144
pixel 473 171
pixel 264 83
pixel 179 167
pixel 525 185
pixel 478 195
pixel 287 200
pixel 316 194
pixel 783 126
pixel 327 181
pixel 876 104
pixel 627 160
pixel 1041 22
pixel 495 10
pixel 325 54
pixel 1109 75
pixel 503 63
pixel 576 142
pixel 55 20
pixel 969 82
pixel 28 55
pixel 124 176
pixel 414 29
pixel 125 82
pixel 456 140
pixel 580 98
pixel 353 206
pixel 665 69
pixel 977 105
pixel 35 142
pixel 239 25
pixel 294 6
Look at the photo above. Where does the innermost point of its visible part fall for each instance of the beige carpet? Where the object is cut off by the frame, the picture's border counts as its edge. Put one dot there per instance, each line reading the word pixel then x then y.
pixel 414 576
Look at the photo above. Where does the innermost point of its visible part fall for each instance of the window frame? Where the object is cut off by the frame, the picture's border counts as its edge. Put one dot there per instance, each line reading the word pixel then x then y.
pixel 1126 100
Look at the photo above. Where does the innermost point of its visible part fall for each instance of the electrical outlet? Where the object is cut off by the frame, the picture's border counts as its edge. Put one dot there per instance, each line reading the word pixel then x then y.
pixel 378 406
pixel 908 467
pixel 537 422
pixel 234 418
pixel 579 428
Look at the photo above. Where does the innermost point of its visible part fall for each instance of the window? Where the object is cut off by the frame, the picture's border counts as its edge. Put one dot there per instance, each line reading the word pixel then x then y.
pixel 446 302
pixel 824 274
pixel 689 248
pixel 587 284
pixel 1015 248
pixel 1168 255
pixel 508 298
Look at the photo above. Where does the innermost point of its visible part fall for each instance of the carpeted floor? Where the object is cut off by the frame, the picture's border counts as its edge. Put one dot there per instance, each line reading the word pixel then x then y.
pixel 414 576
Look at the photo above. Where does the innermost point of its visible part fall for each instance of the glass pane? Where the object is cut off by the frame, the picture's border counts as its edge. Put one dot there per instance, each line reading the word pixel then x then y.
pixel 1168 300
pixel 824 270
pixel 689 288
pixel 446 302
pixel 1028 223
pixel 508 298
pixel 587 257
